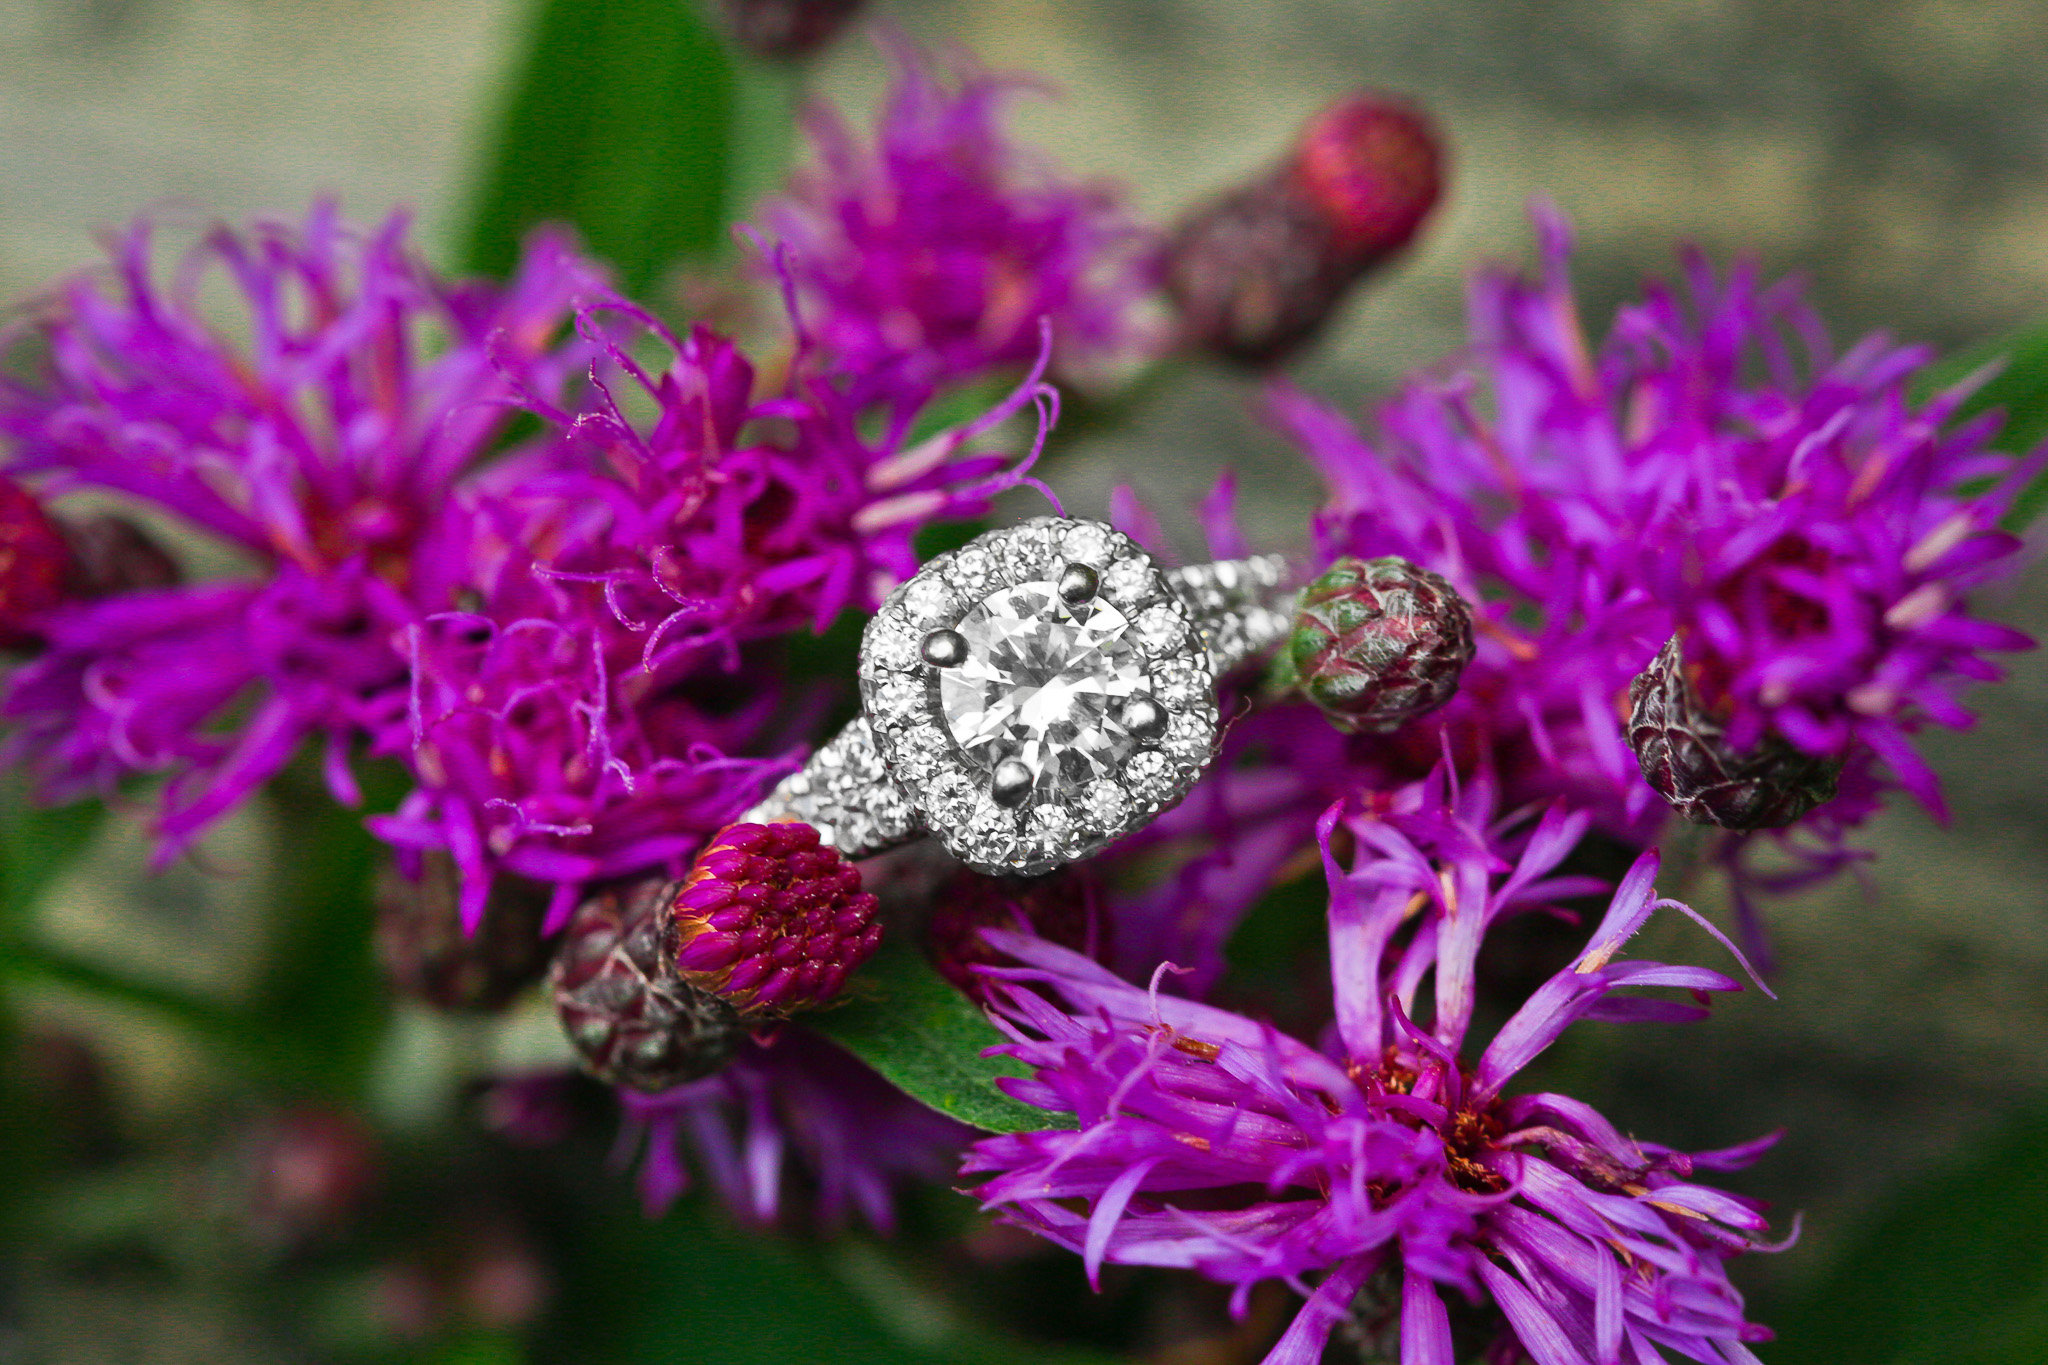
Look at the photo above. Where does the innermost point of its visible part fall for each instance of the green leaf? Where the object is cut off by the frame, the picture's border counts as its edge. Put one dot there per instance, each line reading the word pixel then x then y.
pixel 619 121
pixel 908 1023
pixel 1951 1272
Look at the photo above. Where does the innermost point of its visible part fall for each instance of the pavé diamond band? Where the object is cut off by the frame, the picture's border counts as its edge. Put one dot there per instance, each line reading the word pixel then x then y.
pixel 1034 695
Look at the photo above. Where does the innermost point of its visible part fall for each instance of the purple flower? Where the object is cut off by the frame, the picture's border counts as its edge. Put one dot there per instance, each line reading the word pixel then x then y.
pixel 1711 471
pixel 326 449
pixel 935 252
pixel 601 715
pixel 788 1116
pixel 1395 1157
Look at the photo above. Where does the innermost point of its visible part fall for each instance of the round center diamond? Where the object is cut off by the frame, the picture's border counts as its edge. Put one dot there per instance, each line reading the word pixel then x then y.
pixel 1043 683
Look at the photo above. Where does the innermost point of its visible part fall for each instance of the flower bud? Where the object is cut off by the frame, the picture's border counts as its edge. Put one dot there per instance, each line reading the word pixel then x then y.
pixel 788 28
pixel 1254 273
pixel 427 956
pixel 35 565
pixel 1377 642
pixel 1060 908
pixel 1257 271
pixel 1372 167
pixel 632 1020
pixel 1685 754
pixel 772 920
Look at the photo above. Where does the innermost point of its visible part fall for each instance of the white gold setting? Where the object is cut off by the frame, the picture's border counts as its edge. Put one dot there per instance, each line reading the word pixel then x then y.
pixel 1034 696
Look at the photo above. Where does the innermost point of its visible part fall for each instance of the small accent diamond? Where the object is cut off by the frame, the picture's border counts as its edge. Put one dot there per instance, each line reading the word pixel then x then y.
pixel 1127 582
pixel 1150 776
pixel 1049 829
pixel 1029 552
pixel 920 753
pixel 1104 806
pixel 899 701
pixel 1189 737
pixel 892 643
pixel 1089 543
pixel 929 599
pixel 953 796
pixel 972 570
pixel 992 837
pixel 890 809
pixel 1160 629
pixel 1179 684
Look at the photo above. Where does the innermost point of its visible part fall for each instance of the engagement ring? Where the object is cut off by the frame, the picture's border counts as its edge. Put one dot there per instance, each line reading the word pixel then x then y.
pixel 1034 695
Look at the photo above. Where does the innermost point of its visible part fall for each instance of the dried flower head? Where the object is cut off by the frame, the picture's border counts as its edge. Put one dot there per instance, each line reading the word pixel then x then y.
pixel 1684 749
pixel 632 1020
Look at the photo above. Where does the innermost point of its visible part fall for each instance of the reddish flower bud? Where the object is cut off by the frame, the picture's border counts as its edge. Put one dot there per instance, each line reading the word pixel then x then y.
pixel 1255 272
pixel 35 565
pixel 112 555
pixel 632 1020
pixel 1683 748
pixel 427 956
pixel 1258 270
pixel 1377 642
pixel 772 920
pixel 788 28
pixel 1060 908
pixel 1373 168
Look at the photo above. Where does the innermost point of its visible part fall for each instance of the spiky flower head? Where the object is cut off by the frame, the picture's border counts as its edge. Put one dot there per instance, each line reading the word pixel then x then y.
pixel 1378 642
pixel 632 1020
pixel 771 920
pixel 1711 469
pixel 35 565
pixel 427 954
pixel 1210 1141
pixel 1061 907
pixel 940 250
pixel 314 399
pixel 1684 749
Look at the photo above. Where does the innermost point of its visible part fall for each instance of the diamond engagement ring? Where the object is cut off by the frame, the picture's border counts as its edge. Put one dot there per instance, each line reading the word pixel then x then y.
pixel 1033 696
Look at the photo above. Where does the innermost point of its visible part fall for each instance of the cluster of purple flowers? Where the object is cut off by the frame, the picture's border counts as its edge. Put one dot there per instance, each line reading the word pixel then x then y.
pixel 539 548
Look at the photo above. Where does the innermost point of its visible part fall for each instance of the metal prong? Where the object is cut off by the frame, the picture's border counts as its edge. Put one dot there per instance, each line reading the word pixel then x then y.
pixel 1143 717
pixel 1079 583
pixel 944 649
pixel 1010 783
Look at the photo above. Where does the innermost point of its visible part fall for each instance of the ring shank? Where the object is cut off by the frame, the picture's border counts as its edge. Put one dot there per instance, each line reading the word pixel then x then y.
pixel 1241 606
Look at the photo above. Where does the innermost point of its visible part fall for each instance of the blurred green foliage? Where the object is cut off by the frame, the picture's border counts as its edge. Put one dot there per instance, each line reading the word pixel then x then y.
pixel 1954 1271
pixel 619 121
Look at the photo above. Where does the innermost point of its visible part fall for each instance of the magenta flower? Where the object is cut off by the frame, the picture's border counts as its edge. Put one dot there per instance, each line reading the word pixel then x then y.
pixel 1711 471
pixel 326 450
pixel 791 1117
pixel 936 252
pixel 1210 1142
pixel 600 715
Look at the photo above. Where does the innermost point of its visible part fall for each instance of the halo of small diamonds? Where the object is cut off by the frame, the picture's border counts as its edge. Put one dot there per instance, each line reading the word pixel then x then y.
pixel 1044 680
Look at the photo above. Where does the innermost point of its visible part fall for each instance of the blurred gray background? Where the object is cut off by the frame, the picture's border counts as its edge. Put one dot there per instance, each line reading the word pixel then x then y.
pixel 1893 151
